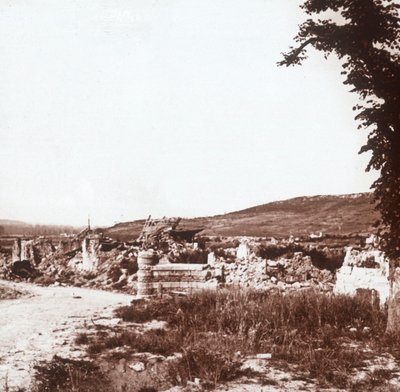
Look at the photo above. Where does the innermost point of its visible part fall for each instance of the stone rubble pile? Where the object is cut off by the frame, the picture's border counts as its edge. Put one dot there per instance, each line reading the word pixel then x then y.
pixel 283 274
pixel 89 259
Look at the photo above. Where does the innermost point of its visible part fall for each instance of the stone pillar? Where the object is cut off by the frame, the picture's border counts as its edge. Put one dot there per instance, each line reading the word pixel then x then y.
pixel 16 250
pixel 243 251
pixel 145 262
pixel 27 250
pixel 90 259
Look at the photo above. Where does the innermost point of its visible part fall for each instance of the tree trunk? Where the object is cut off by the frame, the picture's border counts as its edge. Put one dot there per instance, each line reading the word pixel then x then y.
pixel 393 323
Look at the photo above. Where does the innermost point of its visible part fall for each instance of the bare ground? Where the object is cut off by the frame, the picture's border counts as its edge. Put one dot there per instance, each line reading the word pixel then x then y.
pixel 44 323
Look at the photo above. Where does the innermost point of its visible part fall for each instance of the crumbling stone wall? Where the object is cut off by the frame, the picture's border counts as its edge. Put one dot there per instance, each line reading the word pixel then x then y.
pixel 90 253
pixel 365 269
pixel 68 244
pixel 23 250
pixel 282 274
pixel 154 276
pixel 31 250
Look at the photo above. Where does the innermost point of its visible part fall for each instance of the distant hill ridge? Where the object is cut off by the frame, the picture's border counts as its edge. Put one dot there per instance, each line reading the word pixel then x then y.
pixel 14 227
pixel 333 214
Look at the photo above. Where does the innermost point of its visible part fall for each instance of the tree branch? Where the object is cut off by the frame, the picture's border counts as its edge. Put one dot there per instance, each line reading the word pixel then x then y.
pixel 293 55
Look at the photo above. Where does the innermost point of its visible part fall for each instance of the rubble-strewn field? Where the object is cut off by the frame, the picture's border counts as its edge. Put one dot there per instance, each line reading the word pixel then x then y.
pixel 243 340
pixel 275 321
pixel 92 260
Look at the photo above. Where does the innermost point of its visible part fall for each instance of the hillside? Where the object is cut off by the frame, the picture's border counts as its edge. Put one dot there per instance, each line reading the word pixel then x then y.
pixel 343 214
pixel 14 227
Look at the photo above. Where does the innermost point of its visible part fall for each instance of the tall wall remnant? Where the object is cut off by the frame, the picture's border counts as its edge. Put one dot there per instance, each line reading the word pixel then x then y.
pixel 23 250
pixel 364 270
pixel 86 255
pixel 90 248
pixel 31 250
pixel 243 251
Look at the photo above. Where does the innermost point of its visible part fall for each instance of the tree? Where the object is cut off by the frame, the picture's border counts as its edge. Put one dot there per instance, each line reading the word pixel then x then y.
pixel 365 35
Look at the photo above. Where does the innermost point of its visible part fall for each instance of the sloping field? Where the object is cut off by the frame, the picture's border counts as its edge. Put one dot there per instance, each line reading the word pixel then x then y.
pixel 343 214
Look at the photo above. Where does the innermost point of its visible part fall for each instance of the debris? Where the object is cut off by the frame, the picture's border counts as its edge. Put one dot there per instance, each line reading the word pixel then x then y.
pixel 137 366
pixel 264 356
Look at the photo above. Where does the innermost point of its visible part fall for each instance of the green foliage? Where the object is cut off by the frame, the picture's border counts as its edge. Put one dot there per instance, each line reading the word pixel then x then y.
pixel 367 40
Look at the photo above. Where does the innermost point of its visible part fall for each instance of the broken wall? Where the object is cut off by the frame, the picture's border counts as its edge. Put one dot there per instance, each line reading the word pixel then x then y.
pixel 366 269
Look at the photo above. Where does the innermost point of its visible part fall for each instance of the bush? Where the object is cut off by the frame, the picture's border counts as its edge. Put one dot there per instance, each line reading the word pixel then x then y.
pixel 65 375
pixel 82 338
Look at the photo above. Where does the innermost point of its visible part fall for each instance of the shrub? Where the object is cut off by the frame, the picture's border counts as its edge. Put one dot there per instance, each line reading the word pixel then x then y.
pixel 66 375
pixel 82 338
pixel 210 358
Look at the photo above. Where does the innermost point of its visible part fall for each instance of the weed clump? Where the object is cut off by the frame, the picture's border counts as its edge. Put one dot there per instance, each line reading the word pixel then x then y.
pixel 62 375
pixel 156 341
pixel 209 358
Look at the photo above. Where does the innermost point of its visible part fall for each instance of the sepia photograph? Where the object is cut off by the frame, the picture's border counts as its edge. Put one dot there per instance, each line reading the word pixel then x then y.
pixel 199 195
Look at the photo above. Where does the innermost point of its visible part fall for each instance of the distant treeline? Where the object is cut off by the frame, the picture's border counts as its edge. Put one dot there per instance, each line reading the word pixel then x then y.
pixel 36 230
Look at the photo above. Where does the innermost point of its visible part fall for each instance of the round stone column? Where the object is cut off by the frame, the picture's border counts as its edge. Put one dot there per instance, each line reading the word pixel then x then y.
pixel 146 260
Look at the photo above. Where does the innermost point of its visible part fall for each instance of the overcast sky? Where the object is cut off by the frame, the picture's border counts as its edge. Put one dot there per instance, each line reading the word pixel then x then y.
pixel 124 108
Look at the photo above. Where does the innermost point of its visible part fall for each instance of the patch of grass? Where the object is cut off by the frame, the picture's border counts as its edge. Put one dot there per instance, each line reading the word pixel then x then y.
pixel 323 336
pixel 65 375
pixel 154 341
pixel 210 358
pixel 375 381
pixel 308 329
pixel 82 338
pixel 268 381
pixel 260 313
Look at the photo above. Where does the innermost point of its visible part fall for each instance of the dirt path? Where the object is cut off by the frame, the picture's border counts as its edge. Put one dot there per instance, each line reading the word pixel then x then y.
pixel 36 327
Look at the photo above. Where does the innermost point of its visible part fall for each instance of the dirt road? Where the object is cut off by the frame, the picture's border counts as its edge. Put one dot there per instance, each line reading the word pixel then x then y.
pixel 45 323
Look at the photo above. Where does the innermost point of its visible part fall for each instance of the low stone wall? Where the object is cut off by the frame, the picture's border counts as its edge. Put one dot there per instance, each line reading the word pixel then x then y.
pixel 153 278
